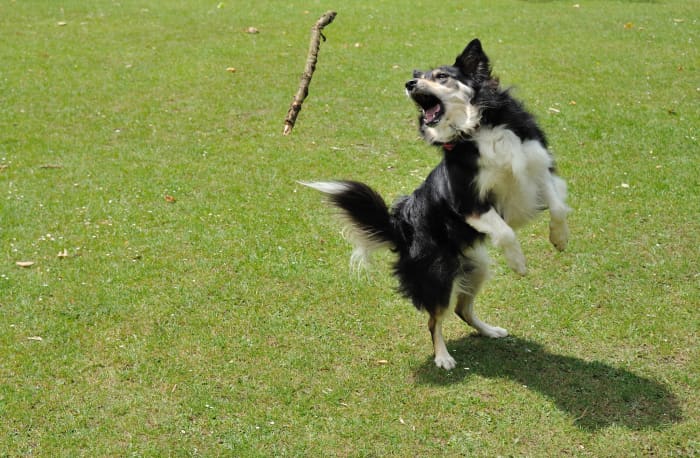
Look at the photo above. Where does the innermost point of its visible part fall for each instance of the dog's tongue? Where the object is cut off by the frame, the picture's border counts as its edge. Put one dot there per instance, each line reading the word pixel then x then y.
pixel 431 113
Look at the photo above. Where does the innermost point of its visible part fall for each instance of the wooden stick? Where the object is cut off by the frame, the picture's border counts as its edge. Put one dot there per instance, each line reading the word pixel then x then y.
pixel 311 59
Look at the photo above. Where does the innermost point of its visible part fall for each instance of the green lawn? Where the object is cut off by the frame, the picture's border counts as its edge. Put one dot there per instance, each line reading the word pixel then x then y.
pixel 223 320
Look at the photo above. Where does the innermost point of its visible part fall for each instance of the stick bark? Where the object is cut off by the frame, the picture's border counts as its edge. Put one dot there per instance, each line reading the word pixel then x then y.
pixel 311 59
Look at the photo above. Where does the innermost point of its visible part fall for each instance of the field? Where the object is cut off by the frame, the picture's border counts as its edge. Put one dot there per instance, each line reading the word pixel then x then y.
pixel 168 289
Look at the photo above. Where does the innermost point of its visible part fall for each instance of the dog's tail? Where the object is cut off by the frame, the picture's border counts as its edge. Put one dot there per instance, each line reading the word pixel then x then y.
pixel 369 225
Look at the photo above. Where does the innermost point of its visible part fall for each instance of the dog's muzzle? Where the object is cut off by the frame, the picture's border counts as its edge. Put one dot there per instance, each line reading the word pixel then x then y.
pixel 430 105
pixel 411 85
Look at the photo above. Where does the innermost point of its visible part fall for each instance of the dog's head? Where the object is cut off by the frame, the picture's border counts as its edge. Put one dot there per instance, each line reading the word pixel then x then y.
pixel 447 96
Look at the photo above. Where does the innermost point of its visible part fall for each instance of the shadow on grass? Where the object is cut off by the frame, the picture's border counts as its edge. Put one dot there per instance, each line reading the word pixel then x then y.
pixel 595 394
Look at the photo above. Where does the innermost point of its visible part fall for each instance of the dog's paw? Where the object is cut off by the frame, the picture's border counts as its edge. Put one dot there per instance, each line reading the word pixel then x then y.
pixel 559 234
pixel 445 362
pixel 518 267
pixel 493 332
pixel 516 261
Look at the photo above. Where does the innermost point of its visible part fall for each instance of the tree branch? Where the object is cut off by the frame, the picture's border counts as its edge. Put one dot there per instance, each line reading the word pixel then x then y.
pixel 311 59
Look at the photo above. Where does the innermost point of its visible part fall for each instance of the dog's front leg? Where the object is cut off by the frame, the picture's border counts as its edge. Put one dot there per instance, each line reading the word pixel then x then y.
pixel 502 235
pixel 555 193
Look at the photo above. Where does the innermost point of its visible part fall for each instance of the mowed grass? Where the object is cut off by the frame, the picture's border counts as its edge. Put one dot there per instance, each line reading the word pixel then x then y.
pixel 223 320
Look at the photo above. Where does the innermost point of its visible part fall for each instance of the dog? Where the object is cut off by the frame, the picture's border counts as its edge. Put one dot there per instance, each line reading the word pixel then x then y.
pixel 496 174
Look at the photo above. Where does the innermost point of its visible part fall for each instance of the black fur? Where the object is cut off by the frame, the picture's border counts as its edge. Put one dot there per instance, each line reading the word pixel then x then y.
pixel 434 231
pixel 502 109
pixel 438 231
pixel 426 229
pixel 498 107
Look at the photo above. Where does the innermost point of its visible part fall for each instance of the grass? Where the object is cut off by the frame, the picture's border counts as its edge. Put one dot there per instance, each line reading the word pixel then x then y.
pixel 227 322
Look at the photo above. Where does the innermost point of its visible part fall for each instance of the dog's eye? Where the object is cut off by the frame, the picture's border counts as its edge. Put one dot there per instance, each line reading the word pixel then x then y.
pixel 441 76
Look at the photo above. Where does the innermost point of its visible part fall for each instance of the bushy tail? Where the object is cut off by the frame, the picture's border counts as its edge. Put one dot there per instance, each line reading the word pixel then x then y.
pixel 366 214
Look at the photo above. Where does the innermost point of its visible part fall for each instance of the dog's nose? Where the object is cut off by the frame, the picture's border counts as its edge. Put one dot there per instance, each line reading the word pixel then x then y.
pixel 411 85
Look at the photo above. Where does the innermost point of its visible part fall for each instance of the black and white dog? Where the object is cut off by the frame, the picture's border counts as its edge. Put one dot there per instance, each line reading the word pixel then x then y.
pixel 496 175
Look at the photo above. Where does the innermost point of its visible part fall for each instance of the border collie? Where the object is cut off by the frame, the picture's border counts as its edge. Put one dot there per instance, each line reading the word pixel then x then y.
pixel 496 174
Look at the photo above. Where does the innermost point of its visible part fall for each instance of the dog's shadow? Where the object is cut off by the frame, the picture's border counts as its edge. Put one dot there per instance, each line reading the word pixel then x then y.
pixel 595 394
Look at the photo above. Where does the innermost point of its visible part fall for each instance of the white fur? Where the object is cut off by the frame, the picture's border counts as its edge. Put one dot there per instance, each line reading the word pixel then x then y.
pixel 558 228
pixel 513 172
pixel 517 175
pixel 464 290
pixel 442 356
pixel 326 187
pixel 467 287
pixel 460 116
pixel 363 245
pixel 484 329
pixel 502 235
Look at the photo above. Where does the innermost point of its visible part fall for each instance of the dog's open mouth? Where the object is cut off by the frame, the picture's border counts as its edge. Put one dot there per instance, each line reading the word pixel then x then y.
pixel 431 107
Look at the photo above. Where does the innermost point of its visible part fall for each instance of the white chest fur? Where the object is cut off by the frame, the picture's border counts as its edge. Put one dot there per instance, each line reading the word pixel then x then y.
pixel 513 173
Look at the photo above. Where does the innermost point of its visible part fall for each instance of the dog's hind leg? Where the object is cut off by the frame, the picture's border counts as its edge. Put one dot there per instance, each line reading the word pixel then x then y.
pixel 465 310
pixel 467 288
pixel 555 194
pixel 442 356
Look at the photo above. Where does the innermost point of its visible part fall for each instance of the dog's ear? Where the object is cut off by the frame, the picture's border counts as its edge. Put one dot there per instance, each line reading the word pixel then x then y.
pixel 418 74
pixel 473 62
